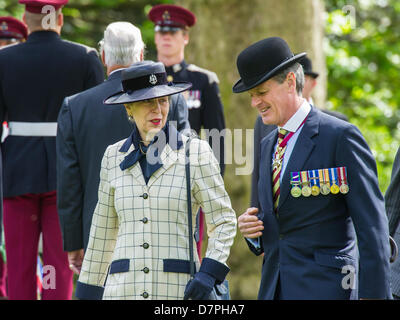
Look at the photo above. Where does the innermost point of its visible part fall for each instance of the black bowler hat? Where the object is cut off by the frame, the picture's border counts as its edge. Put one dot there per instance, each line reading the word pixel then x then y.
pixel 307 67
pixel 263 60
pixel 145 80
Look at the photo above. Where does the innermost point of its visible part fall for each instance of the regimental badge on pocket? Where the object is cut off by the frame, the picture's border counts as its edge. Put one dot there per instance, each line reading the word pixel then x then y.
pixel 319 181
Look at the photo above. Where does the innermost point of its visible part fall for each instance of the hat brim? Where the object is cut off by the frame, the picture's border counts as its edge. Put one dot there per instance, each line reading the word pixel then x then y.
pixel 240 86
pixel 147 93
pixel 312 74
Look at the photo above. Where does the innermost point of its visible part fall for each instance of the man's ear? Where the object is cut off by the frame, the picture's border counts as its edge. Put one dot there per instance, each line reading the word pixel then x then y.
pixel 186 38
pixel 103 57
pixel 60 20
pixel 291 81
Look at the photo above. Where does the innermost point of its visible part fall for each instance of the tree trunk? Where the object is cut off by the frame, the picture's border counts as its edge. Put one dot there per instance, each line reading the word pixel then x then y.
pixel 223 30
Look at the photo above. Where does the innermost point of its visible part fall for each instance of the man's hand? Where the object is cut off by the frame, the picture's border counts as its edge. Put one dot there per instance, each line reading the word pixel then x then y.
pixel 75 259
pixel 249 224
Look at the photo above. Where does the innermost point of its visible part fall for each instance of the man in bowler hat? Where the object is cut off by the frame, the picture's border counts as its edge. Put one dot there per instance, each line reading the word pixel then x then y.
pixel 316 237
pixel 35 78
pixel 86 127
pixel 172 25
pixel 261 130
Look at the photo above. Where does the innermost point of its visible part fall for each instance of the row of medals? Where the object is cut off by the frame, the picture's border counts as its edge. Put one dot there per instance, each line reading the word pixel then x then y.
pixel 307 191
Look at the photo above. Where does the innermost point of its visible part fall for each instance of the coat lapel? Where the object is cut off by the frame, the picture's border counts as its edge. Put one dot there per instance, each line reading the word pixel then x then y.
pixel 301 152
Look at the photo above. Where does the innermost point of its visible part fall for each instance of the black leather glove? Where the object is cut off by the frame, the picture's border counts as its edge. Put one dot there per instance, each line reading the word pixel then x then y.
pixel 199 288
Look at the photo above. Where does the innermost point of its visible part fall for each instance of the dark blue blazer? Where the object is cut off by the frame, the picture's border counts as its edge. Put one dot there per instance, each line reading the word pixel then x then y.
pixel 261 130
pixel 35 77
pixel 86 127
pixel 392 203
pixel 309 241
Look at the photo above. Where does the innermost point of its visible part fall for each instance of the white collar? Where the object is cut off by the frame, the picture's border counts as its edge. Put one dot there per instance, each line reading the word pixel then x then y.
pixel 297 119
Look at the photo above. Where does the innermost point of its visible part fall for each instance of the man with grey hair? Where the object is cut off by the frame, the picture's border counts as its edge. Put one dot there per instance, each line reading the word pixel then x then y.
pixel 86 127
pixel 318 191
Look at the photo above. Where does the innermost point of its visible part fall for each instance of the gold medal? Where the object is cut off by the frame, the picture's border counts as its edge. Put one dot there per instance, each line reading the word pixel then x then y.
pixel 334 188
pixel 344 188
pixel 315 190
pixel 295 192
pixel 306 191
pixel 170 78
pixel 325 185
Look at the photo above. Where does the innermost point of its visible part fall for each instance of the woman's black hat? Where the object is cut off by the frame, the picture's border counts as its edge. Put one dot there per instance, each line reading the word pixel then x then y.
pixel 145 80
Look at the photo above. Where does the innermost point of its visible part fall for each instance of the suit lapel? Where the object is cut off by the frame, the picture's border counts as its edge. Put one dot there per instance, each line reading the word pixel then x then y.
pixel 301 152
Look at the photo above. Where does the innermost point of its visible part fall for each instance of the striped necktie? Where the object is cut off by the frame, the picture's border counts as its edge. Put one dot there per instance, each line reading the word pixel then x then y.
pixel 277 166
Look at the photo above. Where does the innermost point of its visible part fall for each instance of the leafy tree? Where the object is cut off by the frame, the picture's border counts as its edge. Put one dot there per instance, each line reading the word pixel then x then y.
pixel 363 60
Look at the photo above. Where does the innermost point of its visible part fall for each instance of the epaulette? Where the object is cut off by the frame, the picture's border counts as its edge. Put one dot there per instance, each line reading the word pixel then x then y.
pixel 212 76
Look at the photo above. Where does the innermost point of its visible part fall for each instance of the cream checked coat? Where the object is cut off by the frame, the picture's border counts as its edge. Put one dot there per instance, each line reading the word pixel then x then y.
pixel 141 231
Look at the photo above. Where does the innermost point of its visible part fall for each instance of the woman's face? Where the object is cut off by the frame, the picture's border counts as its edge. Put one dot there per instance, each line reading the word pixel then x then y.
pixel 150 116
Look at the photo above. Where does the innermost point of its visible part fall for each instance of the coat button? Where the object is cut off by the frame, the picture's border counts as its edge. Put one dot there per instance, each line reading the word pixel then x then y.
pixel 145 195
pixel 146 245
pixel 145 220
pixel 145 295
pixel 146 270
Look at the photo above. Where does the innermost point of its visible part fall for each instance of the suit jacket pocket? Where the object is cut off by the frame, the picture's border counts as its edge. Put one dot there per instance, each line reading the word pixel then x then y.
pixel 118 266
pixel 333 260
pixel 177 265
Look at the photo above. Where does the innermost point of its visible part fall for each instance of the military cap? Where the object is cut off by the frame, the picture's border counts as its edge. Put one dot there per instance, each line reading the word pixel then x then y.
pixel 168 17
pixel 11 28
pixel 35 6
pixel 307 67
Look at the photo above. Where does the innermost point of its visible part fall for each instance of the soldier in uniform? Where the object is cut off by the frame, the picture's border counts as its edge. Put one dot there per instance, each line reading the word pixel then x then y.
pixel 12 31
pixel 172 25
pixel 35 78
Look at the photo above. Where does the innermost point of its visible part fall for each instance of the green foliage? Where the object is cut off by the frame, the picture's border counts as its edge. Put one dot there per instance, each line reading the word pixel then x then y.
pixel 363 60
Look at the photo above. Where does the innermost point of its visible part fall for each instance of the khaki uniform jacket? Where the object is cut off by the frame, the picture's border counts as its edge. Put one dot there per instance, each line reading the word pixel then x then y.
pixel 141 231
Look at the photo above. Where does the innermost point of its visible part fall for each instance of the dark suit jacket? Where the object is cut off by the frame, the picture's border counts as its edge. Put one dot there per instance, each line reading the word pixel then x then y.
pixel 261 130
pixel 392 203
pixel 35 77
pixel 309 242
pixel 85 128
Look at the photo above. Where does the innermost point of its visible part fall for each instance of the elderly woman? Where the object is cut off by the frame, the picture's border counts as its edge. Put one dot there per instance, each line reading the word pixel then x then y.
pixel 139 239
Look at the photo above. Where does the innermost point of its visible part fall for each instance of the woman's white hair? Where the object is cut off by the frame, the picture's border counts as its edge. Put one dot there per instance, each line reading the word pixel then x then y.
pixel 122 44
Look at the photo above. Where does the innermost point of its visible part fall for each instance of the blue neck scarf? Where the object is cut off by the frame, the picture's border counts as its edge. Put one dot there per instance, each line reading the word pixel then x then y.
pixel 173 138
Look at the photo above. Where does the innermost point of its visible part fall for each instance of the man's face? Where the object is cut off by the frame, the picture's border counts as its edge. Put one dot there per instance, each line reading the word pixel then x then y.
pixel 171 43
pixel 309 85
pixel 271 99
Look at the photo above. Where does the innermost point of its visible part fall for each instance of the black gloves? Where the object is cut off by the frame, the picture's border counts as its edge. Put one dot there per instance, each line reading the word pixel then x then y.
pixel 199 288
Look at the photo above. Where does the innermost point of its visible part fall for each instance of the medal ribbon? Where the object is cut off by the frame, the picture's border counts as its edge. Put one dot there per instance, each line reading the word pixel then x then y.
pixel 343 174
pixel 333 176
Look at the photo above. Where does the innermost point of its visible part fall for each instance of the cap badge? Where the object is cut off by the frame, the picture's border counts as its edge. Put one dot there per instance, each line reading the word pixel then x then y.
pixel 153 79
pixel 166 16
pixel 4 26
